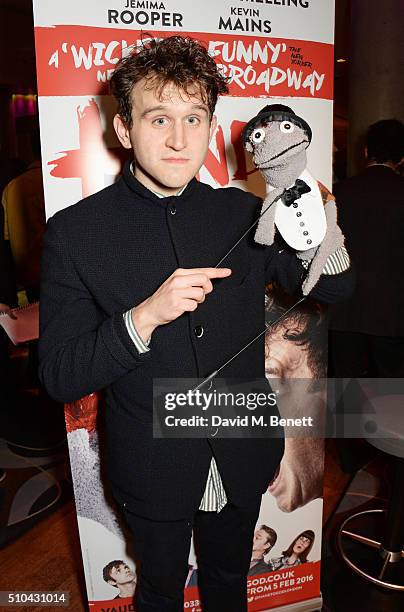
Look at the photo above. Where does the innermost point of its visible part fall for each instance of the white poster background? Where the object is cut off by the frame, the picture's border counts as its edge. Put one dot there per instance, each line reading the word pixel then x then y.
pixel 309 20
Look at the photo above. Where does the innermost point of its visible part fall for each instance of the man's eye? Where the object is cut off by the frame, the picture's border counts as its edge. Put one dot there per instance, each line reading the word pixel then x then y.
pixel 286 127
pixel 193 120
pixel 160 121
pixel 257 136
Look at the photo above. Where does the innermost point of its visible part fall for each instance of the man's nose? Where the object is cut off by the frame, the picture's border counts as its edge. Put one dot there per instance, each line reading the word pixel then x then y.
pixel 176 136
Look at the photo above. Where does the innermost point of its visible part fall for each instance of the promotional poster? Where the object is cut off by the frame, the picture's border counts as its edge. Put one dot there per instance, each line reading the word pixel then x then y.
pixel 272 51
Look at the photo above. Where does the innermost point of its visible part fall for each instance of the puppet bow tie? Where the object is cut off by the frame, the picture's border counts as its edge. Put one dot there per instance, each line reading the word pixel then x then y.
pixel 294 193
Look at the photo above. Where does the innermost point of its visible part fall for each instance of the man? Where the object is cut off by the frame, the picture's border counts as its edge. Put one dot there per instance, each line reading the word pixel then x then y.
pixel 24 223
pixel 7 297
pixel 264 539
pixel 9 170
pixel 130 291
pixel 369 327
pixel 24 227
pixel 118 574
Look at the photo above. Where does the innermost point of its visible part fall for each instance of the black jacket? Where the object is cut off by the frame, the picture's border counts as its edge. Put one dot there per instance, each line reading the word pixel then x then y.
pixel 371 216
pixel 108 253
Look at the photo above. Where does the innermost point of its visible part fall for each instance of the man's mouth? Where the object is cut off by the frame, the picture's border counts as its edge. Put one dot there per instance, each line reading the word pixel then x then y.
pixel 175 160
pixel 262 164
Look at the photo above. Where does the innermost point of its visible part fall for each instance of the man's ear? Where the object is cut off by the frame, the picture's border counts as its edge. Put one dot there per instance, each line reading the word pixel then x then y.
pixel 122 132
pixel 213 126
pixel 112 582
pixel 248 147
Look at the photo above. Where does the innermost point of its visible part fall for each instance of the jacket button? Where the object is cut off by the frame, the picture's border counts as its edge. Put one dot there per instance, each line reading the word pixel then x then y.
pixel 198 331
pixel 173 209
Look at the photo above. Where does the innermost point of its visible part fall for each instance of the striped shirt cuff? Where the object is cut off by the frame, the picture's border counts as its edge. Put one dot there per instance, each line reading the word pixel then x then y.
pixel 214 498
pixel 141 346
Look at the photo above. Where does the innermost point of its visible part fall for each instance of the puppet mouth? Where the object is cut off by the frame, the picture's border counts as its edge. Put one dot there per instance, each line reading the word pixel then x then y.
pixel 262 164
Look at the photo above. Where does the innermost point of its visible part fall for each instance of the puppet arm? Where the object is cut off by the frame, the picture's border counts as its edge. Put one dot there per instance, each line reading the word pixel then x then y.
pixel 330 257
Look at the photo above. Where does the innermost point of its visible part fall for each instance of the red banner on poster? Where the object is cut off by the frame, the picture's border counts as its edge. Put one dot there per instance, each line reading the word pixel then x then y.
pixel 79 60
pixel 115 605
pixel 295 584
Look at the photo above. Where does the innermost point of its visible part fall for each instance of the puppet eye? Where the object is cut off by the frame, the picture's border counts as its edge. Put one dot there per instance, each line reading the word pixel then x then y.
pixel 257 136
pixel 286 127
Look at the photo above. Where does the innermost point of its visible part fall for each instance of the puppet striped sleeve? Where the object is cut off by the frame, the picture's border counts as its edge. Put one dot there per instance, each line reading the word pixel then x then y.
pixel 336 263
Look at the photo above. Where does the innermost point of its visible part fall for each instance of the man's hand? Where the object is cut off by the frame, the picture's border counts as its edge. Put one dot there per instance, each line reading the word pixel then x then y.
pixel 182 292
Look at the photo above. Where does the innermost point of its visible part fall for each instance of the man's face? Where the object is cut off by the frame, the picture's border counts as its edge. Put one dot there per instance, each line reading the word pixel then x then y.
pixel 169 136
pixel 260 541
pixel 122 574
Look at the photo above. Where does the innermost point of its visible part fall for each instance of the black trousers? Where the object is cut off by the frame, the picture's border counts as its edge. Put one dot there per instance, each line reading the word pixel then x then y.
pixel 223 544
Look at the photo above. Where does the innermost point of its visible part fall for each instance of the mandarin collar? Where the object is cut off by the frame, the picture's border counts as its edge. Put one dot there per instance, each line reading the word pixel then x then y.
pixel 137 187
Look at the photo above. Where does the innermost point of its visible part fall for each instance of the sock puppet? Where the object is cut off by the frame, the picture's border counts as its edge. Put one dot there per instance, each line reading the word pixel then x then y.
pixel 303 210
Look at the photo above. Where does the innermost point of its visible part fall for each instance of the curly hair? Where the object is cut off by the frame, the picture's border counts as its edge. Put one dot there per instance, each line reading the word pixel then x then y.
pixel 180 60
pixel 305 326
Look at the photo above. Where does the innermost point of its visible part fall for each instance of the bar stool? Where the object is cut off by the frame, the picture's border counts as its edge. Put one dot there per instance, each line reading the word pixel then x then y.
pixel 388 416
